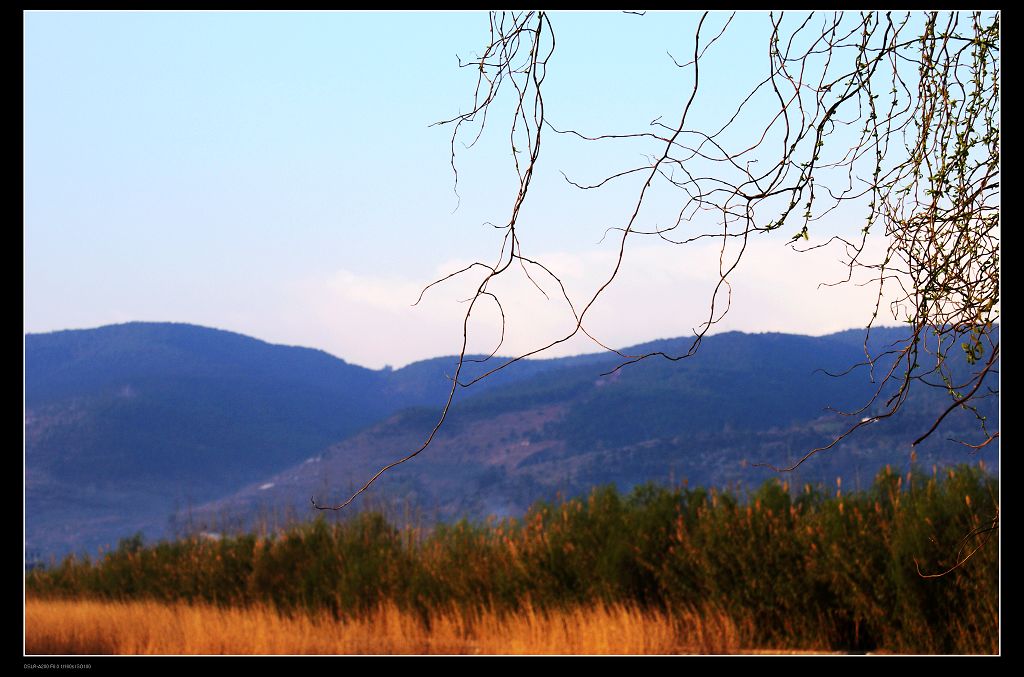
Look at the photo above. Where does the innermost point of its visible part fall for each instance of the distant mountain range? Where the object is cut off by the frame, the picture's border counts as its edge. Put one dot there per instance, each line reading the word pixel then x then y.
pixel 169 427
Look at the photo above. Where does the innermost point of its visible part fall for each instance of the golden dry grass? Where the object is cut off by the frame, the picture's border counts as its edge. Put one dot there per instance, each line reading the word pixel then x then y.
pixel 93 627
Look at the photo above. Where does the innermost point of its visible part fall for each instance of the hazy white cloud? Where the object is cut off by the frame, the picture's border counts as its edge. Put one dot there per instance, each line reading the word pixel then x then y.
pixel 659 292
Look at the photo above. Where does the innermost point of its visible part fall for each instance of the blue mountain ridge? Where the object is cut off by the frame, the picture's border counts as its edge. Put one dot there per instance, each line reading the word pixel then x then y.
pixel 135 426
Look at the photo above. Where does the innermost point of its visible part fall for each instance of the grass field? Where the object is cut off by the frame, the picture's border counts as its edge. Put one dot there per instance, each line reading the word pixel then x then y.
pixel 93 627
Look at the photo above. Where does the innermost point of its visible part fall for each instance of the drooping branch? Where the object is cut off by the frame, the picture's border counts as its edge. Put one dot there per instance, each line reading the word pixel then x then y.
pixel 892 117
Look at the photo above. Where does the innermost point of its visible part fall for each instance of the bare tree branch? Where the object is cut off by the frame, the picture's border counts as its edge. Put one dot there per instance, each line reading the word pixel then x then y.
pixel 891 116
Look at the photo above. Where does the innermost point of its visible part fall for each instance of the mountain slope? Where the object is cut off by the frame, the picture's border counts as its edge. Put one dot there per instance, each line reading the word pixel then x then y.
pixel 129 425
pixel 158 401
pixel 126 423
pixel 743 400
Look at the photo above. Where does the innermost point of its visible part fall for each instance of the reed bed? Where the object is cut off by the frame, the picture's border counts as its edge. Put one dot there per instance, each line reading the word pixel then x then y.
pixel 781 568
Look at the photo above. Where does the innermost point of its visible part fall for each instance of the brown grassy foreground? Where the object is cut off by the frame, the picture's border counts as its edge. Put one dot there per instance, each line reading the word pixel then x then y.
pixel 93 627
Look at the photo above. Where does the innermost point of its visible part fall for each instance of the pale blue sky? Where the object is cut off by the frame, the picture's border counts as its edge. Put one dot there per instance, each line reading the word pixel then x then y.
pixel 275 174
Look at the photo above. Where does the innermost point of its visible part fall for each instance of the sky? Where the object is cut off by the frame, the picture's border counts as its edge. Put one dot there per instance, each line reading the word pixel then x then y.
pixel 279 175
